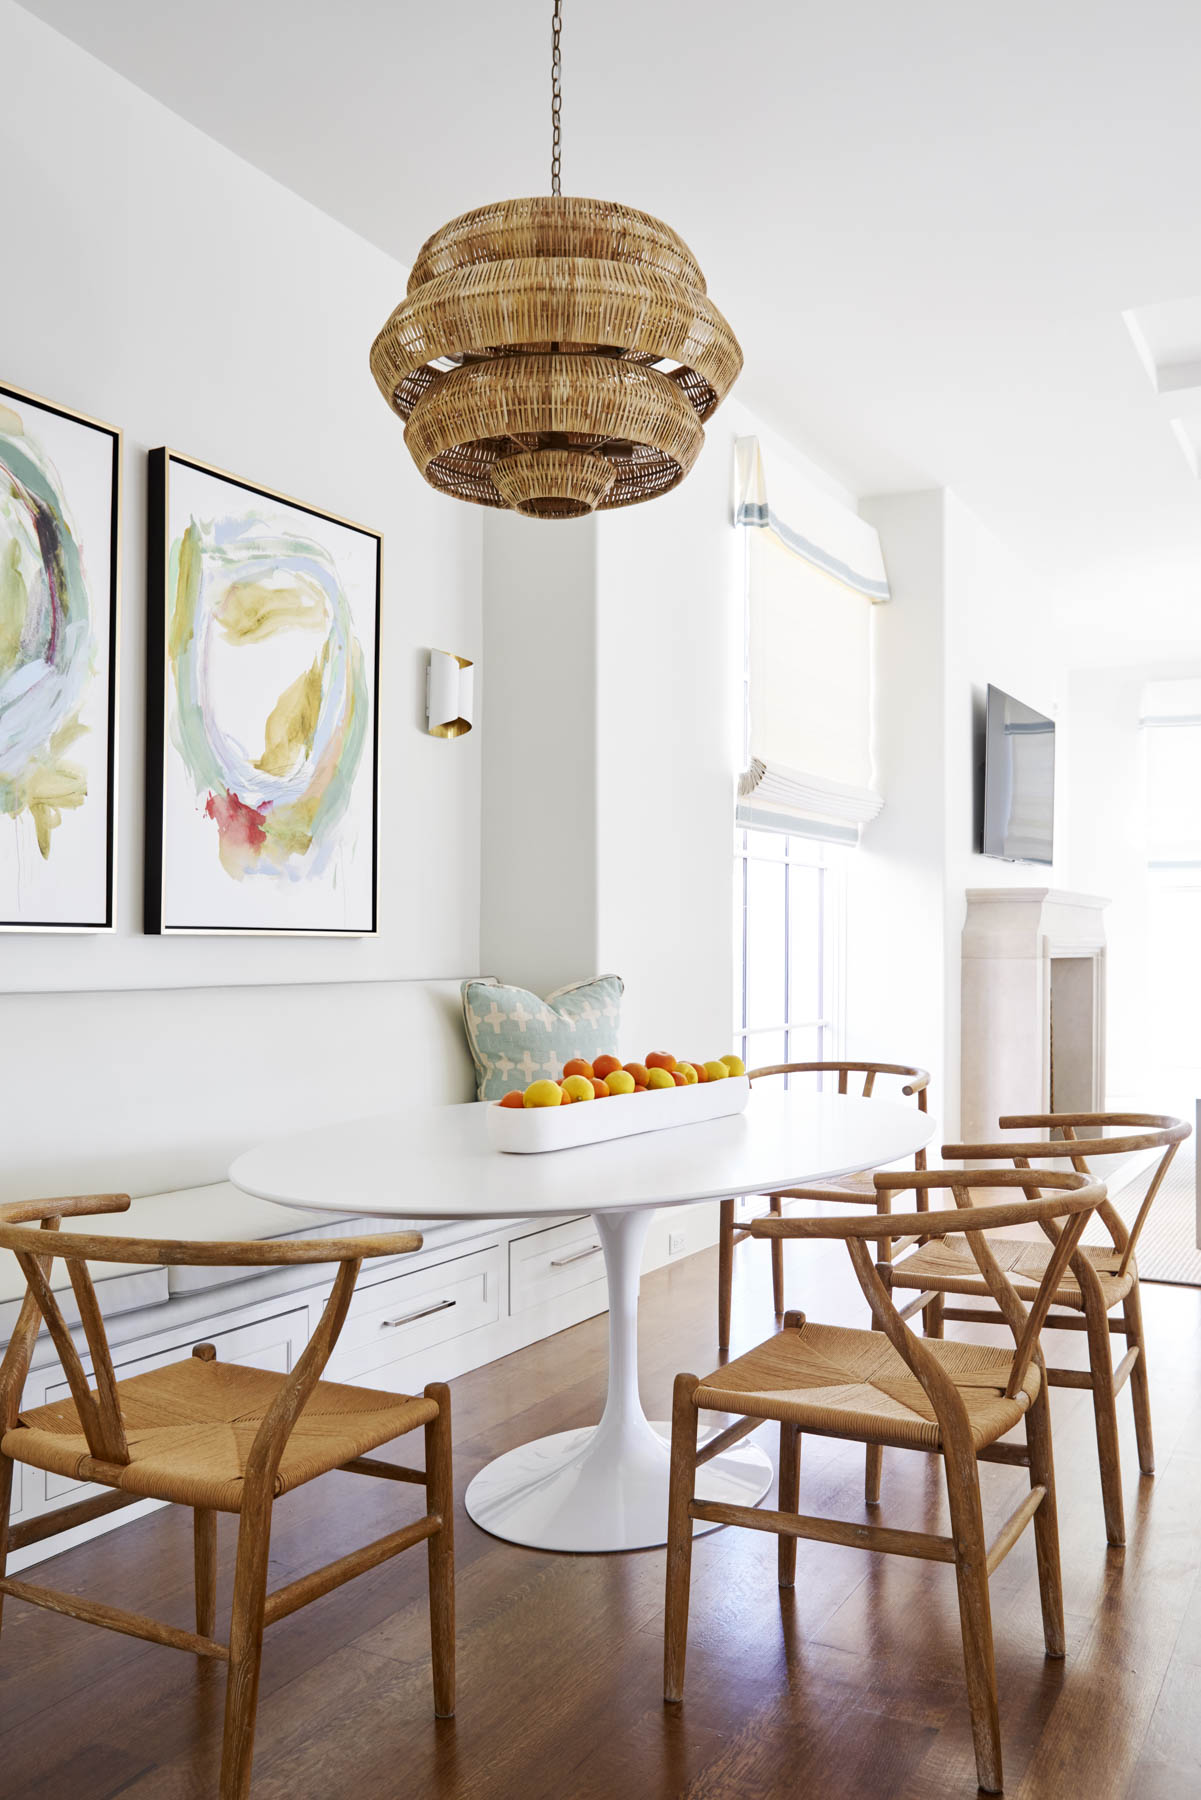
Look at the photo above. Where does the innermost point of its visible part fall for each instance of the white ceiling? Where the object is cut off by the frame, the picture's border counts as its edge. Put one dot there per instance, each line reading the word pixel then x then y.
pixel 924 220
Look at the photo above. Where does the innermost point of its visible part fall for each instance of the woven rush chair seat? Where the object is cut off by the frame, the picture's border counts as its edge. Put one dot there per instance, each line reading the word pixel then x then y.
pixel 950 1268
pixel 857 1189
pixel 836 1381
pixel 190 1428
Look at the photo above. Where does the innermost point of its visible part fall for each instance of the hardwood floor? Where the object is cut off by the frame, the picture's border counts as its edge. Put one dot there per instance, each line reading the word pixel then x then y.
pixel 850 1686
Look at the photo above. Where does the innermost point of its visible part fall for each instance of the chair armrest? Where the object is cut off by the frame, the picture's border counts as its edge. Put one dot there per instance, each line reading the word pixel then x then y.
pixel 178 1252
pixel 29 1212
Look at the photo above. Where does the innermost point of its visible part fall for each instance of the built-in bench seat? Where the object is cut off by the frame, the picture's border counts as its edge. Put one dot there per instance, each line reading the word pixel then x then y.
pixel 216 1212
pixel 155 1093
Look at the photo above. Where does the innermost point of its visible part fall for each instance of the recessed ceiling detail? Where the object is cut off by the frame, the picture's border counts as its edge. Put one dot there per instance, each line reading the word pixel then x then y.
pixel 1167 339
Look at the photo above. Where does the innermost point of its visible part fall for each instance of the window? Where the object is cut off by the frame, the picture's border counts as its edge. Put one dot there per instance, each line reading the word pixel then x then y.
pixel 788 911
pixel 814 575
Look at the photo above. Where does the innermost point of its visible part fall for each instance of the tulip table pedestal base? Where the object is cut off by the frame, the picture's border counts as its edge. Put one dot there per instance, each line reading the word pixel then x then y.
pixel 605 1487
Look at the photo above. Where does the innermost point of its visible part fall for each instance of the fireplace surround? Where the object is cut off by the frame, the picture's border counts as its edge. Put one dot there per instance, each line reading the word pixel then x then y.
pixel 1033 1005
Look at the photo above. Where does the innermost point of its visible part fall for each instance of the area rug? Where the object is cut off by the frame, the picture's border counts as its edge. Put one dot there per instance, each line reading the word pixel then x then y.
pixel 1167 1246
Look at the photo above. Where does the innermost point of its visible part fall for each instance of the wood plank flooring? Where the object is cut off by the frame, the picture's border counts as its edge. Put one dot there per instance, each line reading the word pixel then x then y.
pixel 850 1687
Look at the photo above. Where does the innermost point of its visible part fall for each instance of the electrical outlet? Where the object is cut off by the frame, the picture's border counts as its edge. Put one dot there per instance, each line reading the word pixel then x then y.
pixel 675 1243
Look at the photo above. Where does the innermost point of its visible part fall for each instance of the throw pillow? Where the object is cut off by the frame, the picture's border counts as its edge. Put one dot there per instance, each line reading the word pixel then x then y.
pixel 516 1037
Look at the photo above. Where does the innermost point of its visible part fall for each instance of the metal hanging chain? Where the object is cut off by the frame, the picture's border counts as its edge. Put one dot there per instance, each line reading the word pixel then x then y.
pixel 556 96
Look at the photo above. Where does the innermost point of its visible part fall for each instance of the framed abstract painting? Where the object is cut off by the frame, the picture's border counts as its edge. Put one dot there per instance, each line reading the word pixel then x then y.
pixel 262 725
pixel 60 581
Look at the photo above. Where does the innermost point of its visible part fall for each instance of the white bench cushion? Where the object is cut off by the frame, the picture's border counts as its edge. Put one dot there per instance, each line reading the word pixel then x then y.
pixel 218 1212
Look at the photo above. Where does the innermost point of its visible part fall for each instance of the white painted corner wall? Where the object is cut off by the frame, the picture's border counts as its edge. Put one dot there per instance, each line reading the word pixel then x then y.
pixel 964 612
pixel 162 284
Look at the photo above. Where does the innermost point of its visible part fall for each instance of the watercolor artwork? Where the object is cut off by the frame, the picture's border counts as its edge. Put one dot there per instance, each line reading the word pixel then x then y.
pixel 262 675
pixel 60 479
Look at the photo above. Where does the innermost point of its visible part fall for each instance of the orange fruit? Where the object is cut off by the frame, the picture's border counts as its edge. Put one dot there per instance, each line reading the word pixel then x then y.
pixel 661 1059
pixel 600 1088
pixel 516 1098
pixel 604 1066
pixel 700 1071
pixel 678 1076
pixel 577 1066
pixel 638 1071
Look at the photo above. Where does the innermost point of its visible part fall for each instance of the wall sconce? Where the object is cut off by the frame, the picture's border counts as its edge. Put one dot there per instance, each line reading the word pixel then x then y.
pixel 449 694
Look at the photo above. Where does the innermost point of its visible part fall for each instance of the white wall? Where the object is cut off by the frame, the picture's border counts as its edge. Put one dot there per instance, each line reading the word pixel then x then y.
pixel 613 680
pixel 156 281
pixel 896 900
pixel 1000 629
pixel 669 662
pixel 964 613
pixel 1107 848
pixel 538 906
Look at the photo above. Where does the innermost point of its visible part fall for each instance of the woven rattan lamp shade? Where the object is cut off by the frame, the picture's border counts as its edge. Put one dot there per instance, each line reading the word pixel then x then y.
pixel 555 356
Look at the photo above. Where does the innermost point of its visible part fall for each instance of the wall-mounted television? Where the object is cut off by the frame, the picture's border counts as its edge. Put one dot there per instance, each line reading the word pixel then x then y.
pixel 1019 781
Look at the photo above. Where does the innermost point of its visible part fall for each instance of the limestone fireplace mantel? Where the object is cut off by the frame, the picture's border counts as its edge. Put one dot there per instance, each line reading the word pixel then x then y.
pixel 1033 1015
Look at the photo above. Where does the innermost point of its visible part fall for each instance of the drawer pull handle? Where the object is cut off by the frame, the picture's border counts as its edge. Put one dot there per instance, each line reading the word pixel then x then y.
pixel 423 1312
pixel 560 1262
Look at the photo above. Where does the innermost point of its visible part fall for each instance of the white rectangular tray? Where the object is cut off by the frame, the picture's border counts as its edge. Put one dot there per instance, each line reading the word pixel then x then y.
pixel 533 1129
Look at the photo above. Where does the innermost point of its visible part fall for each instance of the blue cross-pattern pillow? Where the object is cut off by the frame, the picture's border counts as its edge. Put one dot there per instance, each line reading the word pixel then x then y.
pixel 516 1037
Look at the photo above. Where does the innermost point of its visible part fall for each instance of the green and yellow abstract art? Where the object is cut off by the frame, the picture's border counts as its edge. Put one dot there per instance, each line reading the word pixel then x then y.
pixel 59 535
pixel 269 616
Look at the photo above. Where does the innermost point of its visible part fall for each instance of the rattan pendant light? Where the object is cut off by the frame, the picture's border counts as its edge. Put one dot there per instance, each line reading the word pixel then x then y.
pixel 554 355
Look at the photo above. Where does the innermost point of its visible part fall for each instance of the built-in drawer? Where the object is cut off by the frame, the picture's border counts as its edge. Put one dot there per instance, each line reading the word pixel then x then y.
pixel 554 1261
pixel 273 1344
pixel 405 1314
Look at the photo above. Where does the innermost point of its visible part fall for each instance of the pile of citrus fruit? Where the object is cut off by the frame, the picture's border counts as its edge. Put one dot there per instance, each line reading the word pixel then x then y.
pixel 607 1076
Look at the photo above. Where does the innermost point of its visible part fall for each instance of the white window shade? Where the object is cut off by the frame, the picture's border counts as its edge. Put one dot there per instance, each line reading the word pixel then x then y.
pixel 813 575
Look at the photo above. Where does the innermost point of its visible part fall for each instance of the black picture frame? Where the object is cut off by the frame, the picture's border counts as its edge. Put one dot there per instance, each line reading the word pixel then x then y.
pixel 108 678
pixel 158 699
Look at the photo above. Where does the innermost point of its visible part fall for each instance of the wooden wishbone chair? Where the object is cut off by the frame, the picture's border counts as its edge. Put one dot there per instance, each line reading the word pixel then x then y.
pixel 216 1437
pixel 953 1400
pixel 1097 1280
pixel 853 1190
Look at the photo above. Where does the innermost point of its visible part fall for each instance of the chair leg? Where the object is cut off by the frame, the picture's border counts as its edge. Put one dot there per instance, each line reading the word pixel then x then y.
pixel 245 1647
pixel 679 1534
pixel 1105 1413
pixel 790 1487
pixel 932 1318
pixel 1046 1522
pixel 204 1550
pixel 777 1260
pixel 6 1500
pixel 440 1499
pixel 725 1272
pixel 873 1474
pixel 975 1613
pixel 874 1461
pixel 1140 1386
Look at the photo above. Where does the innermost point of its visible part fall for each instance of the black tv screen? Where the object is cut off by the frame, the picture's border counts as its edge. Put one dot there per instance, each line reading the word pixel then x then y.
pixel 1019 781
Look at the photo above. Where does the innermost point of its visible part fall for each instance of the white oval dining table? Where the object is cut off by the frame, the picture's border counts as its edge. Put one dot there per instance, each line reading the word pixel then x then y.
pixel 605 1487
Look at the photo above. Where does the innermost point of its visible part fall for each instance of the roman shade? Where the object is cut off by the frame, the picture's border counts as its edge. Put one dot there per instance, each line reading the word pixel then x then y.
pixel 814 573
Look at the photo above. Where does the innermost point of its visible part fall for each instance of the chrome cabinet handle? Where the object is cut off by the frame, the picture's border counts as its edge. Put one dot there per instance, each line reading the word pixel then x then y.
pixel 423 1312
pixel 560 1262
